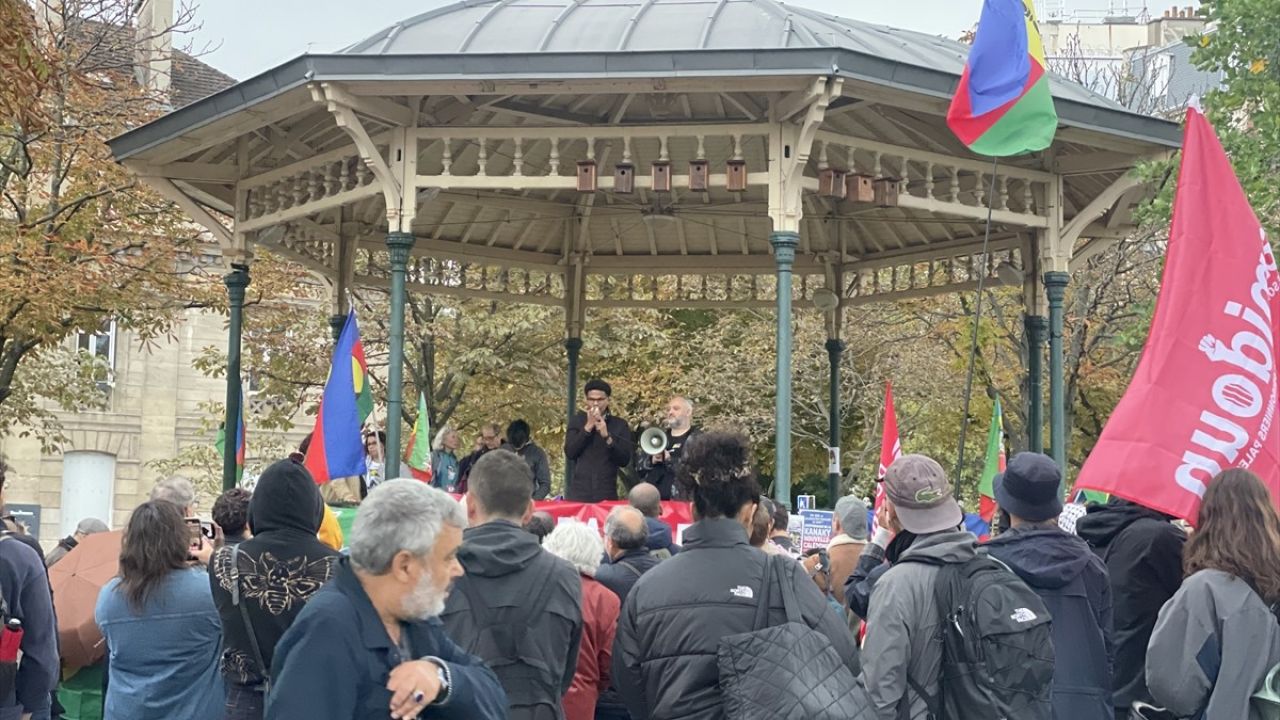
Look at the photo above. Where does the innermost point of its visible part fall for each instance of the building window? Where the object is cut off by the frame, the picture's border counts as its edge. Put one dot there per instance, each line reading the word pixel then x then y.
pixel 88 488
pixel 101 346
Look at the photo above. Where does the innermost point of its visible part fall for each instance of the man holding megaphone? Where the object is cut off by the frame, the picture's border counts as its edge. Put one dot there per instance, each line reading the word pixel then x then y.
pixel 661 450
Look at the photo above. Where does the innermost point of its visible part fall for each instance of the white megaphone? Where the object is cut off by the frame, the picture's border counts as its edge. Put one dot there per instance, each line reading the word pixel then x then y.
pixel 653 441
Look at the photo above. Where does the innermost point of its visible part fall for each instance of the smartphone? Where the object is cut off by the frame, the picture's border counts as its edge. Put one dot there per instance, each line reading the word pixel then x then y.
pixel 194 532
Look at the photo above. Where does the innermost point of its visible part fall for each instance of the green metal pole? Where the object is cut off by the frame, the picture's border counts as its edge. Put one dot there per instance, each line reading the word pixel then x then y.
pixel 784 255
pixel 573 347
pixel 399 244
pixel 236 280
pixel 834 350
pixel 1035 326
pixel 1055 285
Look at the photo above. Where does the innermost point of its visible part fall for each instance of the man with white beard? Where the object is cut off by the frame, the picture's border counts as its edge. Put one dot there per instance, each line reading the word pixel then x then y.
pixel 518 606
pixel 369 645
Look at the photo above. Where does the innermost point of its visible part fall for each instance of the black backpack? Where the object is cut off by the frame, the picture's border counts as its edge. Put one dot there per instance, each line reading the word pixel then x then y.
pixel 997 650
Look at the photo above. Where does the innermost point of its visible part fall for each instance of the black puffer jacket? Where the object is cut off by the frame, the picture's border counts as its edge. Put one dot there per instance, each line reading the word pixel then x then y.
pixel 1143 553
pixel 664 655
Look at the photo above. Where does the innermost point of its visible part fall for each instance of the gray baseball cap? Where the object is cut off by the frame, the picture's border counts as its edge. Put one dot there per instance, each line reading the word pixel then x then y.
pixel 852 513
pixel 922 495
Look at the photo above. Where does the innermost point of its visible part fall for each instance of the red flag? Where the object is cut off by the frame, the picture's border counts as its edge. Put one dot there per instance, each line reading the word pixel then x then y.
pixel 890 446
pixel 1203 397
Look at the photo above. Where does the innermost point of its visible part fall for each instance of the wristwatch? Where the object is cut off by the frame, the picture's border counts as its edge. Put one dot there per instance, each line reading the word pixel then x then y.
pixel 445 677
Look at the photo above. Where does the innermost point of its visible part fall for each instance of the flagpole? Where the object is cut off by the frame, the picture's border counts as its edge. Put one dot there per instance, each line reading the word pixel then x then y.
pixel 977 317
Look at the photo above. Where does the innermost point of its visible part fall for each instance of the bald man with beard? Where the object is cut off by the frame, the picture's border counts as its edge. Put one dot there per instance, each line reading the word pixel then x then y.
pixel 660 470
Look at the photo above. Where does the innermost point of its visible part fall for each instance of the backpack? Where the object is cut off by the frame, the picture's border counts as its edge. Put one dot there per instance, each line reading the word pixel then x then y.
pixel 502 639
pixel 997 650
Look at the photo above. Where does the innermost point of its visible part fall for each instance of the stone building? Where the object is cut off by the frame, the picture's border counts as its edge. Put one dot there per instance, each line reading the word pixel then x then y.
pixel 155 395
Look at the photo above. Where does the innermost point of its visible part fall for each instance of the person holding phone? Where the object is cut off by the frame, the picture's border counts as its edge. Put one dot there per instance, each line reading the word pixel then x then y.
pixel 161 627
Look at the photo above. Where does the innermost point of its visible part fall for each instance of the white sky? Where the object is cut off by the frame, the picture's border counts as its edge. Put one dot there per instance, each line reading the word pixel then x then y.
pixel 246 37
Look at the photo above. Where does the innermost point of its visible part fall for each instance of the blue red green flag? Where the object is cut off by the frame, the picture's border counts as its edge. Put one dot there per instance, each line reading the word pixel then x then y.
pixel 337 447
pixel 1003 105
pixel 221 442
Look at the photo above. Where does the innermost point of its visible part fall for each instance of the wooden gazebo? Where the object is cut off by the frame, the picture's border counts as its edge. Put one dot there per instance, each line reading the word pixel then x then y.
pixel 645 153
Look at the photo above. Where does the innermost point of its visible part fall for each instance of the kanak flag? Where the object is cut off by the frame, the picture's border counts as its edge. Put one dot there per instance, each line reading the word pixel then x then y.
pixel 890 445
pixel 337 447
pixel 1203 398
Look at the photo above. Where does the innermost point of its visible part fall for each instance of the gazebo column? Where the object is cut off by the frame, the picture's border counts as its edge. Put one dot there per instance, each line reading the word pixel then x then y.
pixel 237 281
pixel 1055 284
pixel 399 244
pixel 784 244
pixel 835 348
pixel 344 263
pixel 1034 325
pixel 574 317
pixel 789 145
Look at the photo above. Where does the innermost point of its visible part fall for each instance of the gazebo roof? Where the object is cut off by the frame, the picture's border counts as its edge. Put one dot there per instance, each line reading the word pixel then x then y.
pixel 479 27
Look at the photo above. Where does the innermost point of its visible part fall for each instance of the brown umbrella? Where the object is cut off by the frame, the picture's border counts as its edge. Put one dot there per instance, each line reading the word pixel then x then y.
pixel 77 579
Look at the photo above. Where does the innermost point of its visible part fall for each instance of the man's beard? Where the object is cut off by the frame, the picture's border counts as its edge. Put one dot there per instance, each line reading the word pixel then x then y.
pixel 424 601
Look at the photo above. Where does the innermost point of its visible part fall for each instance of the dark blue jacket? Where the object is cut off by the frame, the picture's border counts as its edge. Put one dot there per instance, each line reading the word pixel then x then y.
pixel 333 663
pixel 660 536
pixel 1073 583
pixel 25 586
pixel 621 575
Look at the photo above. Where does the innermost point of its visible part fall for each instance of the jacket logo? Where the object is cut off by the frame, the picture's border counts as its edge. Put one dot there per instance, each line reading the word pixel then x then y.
pixel 742 591
pixel 1022 615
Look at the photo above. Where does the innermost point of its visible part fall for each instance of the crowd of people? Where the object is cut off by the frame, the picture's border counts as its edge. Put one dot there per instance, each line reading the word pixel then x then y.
pixel 483 608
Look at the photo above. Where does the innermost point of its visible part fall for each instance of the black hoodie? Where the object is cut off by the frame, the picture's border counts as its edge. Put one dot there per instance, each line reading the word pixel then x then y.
pixel 278 570
pixel 1073 583
pixel 511 575
pixel 1143 553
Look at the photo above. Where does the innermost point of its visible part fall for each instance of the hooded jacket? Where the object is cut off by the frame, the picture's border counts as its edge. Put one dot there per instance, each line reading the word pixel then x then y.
pixel 1143 553
pixel 665 655
pixel 660 536
pixel 509 573
pixel 276 572
pixel 903 625
pixel 1212 647
pixel 1073 584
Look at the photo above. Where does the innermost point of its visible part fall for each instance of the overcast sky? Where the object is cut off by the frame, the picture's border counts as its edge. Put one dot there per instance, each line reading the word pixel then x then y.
pixel 246 37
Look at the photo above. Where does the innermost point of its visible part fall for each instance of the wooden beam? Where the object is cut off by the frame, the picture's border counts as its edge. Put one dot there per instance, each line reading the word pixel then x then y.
pixel 193 171
pixel 1096 208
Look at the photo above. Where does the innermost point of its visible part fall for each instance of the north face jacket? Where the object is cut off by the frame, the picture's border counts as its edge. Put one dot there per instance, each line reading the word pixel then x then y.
pixel 902 626
pixel 1143 553
pixel 1073 584
pixel 665 654
pixel 1214 643
pixel 508 572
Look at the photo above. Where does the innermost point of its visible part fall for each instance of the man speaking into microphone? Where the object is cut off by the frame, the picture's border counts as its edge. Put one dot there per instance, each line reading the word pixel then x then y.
pixel 599 444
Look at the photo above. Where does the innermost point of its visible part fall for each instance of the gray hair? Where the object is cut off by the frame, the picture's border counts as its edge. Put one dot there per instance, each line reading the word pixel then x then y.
pixel 437 443
pixel 578 543
pixel 177 490
pixel 400 515
pixel 623 534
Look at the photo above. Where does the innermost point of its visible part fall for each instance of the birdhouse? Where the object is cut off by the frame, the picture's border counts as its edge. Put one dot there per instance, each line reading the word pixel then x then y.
pixel 886 192
pixel 736 172
pixel 662 176
pixel 858 189
pixel 698 173
pixel 831 183
pixel 624 178
pixel 587 176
